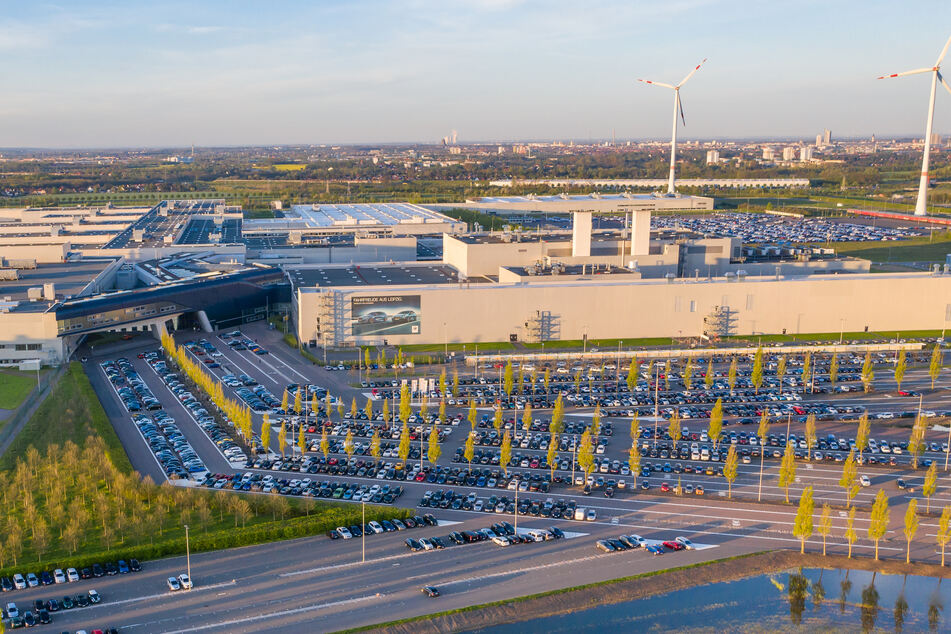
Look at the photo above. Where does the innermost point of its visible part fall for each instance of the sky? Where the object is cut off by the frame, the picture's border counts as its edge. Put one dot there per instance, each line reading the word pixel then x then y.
pixel 245 72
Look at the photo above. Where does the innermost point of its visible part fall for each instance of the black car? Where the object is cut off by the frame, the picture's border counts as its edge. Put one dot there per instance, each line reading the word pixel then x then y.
pixel 39 604
pixel 333 534
pixel 44 617
pixel 68 603
pixel 557 532
pixel 6 585
pixel 134 565
pixel 414 545
pixel 82 600
pixel 430 520
pixel 430 591
pixel 46 578
pixel 97 570
pixel 111 568
pixel 52 605
pixel 28 619
pixel 85 573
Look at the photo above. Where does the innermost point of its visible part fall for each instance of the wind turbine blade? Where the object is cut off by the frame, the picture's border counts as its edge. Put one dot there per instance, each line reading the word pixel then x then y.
pixel 690 74
pixel 944 83
pixel 680 102
pixel 655 83
pixel 944 52
pixel 907 72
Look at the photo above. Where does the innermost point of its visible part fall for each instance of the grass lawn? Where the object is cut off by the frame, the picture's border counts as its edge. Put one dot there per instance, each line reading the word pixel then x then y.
pixel 458 347
pixel 924 249
pixel 14 387
pixel 603 345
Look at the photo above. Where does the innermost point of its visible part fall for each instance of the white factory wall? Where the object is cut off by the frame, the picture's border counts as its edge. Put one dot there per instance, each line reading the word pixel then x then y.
pixel 654 308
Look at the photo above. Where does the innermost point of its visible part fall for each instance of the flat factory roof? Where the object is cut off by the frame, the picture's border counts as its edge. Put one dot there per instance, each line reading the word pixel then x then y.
pixel 555 198
pixel 372 275
pixel 70 278
pixel 321 215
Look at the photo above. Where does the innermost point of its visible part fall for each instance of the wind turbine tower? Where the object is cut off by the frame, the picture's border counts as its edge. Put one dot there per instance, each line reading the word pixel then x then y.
pixel 678 109
pixel 921 205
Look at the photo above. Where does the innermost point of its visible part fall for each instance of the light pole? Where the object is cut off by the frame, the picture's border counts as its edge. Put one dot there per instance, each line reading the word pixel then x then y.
pixel 516 505
pixel 363 532
pixel 188 559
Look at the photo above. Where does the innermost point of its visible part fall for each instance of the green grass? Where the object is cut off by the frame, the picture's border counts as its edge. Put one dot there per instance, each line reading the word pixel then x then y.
pixel 71 412
pixel 540 595
pixel 603 345
pixel 14 388
pixel 924 249
pixel 458 347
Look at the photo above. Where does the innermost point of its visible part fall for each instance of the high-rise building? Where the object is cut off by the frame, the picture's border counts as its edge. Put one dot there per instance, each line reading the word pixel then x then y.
pixel 827 137
pixel 713 157
pixel 769 154
pixel 935 139
pixel 818 140
pixel 805 154
pixel 789 153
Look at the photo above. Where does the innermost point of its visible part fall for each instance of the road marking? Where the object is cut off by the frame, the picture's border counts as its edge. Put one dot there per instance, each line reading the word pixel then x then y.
pixel 163 595
pixel 349 564
pixel 271 615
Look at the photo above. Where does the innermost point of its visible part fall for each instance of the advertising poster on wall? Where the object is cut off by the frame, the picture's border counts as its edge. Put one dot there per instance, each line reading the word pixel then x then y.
pixel 384 315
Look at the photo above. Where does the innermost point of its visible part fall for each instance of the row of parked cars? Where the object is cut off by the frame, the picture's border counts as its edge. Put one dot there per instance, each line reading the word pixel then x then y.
pixel 374 527
pixel 40 612
pixel 238 341
pixel 20 581
pixel 178 458
pixel 130 387
pixel 218 435
pixel 633 542
pixel 266 483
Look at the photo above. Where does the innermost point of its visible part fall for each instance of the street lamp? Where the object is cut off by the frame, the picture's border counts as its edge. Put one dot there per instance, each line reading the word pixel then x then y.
pixel 363 540
pixel 188 558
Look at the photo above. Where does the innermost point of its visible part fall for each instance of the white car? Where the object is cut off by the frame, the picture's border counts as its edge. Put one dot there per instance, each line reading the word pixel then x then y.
pixel 637 539
pixel 185 581
pixel 501 541
pixel 59 576
pixel 344 532
pixel 19 582
pixel 426 544
pixel 173 584
pixel 686 543
pixel 591 515
pixel 376 527
pixel 72 575
pixel 865 481
pixel 12 610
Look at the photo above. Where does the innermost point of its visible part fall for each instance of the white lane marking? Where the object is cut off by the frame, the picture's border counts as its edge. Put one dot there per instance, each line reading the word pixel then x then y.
pixel 162 595
pixel 277 357
pixel 271 615
pixel 350 564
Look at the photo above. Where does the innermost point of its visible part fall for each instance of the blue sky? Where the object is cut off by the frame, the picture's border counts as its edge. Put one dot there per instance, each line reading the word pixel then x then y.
pixel 160 73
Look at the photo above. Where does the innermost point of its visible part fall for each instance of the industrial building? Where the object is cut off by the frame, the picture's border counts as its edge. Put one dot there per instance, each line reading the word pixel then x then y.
pixel 600 203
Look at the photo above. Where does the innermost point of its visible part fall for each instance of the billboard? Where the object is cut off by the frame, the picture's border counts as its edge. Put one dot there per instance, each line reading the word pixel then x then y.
pixel 381 315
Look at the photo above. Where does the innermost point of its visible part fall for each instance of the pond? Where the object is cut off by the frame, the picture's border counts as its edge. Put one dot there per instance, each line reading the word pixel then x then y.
pixel 807 600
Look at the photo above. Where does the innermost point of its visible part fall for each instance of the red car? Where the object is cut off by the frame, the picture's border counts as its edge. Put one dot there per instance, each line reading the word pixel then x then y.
pixel 673 545
pixel 664 486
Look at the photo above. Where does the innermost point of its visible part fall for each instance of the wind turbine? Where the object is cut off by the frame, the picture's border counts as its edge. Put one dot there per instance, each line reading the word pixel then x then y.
pixel 921 205
pixel 678 108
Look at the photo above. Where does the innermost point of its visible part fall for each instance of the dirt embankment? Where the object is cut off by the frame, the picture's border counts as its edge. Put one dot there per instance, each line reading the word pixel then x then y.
pixel 564 602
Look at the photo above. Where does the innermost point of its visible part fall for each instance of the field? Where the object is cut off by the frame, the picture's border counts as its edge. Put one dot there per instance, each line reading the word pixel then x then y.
pixel 71 497
pixel 925 249
pixel 14 387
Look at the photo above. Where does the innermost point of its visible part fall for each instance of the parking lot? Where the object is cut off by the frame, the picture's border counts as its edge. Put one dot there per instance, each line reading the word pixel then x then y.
pixel 779 230
pixel 691 466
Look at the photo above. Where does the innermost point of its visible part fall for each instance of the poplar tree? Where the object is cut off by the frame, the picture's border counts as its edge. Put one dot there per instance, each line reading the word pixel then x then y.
pixel 868 372
pixel 731 375
pixel 781 370
pixel 930 484
pixel 469 451
pixel 557 416
pixel 632 374
pixel 730 469
pixel 324 443
pixel 674 428
pixel 634 461
pixel 403 449
pixel 825 525
pixel 473 416
pixel 878 523
pixel 505 455
pixel 849 479
pixel 757 374
pixel 810 433
pixel 911 526
pixel 716 423
pixel 375 445
pixel 586 454
pixel 862 434
pixel 944 531
pixel 900 366
pixel 803 526
pixel 787 470
pixel 527 417
pixel 434 451
pixel 806 369
pixel 708 377
pixel 850 534
pixel 834 369
pixel 552 456
pixel 934 370
pixel 761 433
pixel 507 378
pixel 688 373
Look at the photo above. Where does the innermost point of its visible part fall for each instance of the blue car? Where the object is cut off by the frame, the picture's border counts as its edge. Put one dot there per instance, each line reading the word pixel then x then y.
pixel 654 549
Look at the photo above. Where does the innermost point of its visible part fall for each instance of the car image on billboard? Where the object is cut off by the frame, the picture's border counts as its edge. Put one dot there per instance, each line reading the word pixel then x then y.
pixel 385 315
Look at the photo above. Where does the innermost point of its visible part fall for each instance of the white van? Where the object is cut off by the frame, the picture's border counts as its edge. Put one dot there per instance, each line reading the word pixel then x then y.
pixel 580 513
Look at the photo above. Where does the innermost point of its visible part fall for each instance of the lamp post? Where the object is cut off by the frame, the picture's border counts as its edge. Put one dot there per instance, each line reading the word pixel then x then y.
pixel 363 532
pixel 516 505
pixel 188 558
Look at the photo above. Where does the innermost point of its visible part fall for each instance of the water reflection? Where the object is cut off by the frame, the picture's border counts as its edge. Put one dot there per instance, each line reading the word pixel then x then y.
pixel 774 603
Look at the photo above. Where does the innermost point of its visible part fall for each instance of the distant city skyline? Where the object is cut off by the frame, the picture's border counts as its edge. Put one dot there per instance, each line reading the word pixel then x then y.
pixel 170 73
